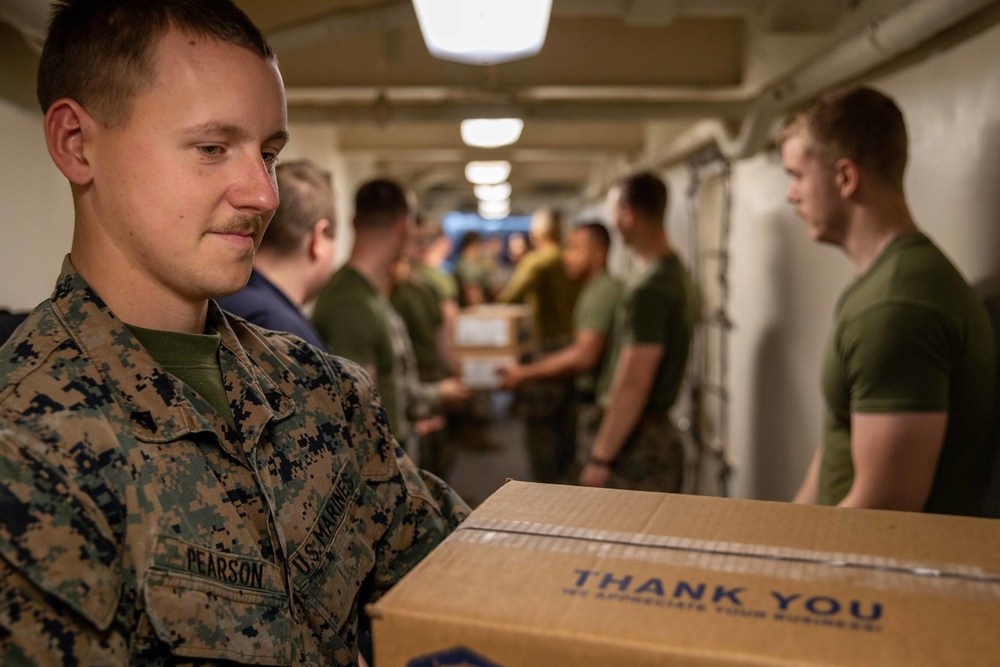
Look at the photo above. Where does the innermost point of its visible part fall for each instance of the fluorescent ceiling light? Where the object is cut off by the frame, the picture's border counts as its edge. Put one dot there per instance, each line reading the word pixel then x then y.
pixel 483 32
pixel 500 192
pixel 491 132
pixel 494 210
pixel 487 173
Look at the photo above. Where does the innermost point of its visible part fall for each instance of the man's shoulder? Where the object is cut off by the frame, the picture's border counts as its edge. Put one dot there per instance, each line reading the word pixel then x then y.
pixel 666 279
pixel 298 357
pixel 916 276
pixel 602 288
pixel 39 352
pixel 346 289
pixel 540 259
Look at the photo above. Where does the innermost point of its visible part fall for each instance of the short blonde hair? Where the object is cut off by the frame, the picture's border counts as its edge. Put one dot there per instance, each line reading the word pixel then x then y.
pixel 860 124
pixel 306 193
pixel 547 223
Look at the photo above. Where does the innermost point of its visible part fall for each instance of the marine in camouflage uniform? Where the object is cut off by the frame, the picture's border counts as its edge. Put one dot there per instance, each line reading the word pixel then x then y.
pixel 138 526
pixel 243 508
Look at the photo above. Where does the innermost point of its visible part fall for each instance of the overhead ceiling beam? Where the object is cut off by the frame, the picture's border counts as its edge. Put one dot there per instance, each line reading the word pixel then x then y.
pixel 342 25
pixel 334 95
pixel 462 155
pixel 385 113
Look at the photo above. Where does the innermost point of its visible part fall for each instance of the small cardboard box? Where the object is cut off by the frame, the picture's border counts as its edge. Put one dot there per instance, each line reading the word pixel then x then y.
pixel 558 575
pixel 491 326
pixel 479 368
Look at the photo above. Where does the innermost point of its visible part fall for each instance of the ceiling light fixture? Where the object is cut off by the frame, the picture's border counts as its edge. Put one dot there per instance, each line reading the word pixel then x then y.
pixel 483 32
pixel 499 192
pixel 494 210
pixel 491 132
pixel 487 173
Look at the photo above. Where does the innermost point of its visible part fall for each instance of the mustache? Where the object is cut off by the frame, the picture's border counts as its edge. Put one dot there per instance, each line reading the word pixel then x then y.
pixel 241 225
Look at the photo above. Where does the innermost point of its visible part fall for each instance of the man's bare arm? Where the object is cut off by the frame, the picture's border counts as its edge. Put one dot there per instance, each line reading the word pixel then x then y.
pixel 895 457
pixel 473 294
pixel 630 388
pixel 582 355
pixel 809 491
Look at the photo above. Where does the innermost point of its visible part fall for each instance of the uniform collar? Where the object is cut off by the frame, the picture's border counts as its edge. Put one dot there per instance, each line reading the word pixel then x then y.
pixel 152 399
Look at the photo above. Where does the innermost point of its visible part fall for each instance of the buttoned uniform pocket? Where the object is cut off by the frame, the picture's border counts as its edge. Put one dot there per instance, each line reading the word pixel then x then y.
pixel 201 603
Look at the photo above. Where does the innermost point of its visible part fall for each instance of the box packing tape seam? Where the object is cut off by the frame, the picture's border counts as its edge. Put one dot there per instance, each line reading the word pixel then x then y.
pixel 738 558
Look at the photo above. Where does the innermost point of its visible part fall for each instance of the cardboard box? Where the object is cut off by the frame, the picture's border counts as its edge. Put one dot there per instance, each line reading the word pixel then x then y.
pixel 492 326
pixel 478 368
pixel 556 575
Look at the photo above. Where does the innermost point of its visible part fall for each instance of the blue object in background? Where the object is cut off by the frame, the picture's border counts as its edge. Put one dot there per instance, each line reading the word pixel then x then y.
pixel 455 225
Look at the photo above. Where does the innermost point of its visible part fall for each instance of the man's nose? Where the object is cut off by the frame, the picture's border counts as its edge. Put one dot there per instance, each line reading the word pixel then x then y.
pixel 792 195
pixel 256 189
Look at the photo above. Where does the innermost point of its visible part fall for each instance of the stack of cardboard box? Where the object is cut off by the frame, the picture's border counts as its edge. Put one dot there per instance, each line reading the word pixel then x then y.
pixel 489 337
pixel 564 576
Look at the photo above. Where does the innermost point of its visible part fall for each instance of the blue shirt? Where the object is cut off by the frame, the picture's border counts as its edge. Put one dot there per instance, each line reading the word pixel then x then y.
pixel 265 305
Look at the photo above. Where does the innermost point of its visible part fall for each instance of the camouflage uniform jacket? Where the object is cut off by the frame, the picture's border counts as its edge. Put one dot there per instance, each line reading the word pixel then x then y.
pixel 137 527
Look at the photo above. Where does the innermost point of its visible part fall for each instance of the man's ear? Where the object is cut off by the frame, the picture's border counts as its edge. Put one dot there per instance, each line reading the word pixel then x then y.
pixel 68 127
pixel 319 237
pixel 848 177
pixel 626 216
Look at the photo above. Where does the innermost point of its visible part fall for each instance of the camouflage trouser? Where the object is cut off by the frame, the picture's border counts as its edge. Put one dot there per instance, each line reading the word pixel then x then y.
pixel 437 452
pixel 547 407
pixel 469 426
pixel 652 458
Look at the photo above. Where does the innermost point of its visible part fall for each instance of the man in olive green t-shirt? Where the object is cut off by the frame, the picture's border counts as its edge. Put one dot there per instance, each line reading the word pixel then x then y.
pixel 353 312
pixel 473 282
pixel 540 280
pixel 636 445
pixel 585 259
pixel 908 374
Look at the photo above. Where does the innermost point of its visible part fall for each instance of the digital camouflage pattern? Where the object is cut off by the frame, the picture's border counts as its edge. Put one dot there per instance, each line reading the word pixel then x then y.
pixel 548 409
pixel 652 458
pixel 137 527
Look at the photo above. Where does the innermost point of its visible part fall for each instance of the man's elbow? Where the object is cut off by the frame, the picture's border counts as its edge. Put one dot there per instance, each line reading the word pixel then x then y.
pixel 885 499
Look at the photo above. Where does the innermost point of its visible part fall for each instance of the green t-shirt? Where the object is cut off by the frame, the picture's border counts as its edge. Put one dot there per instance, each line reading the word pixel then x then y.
pixel 352 318
pixel 193 359
pixel 595 311
pixel 445 285
pixel 470 272
pixel 419 304
pixel 911 336
pixel 656 307
pixel 541 281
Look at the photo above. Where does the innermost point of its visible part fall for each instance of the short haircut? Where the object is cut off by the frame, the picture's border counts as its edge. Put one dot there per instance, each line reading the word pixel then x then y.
pixel 860 124
pixel 100 53
pixel 548 222
pixel 379 203
pixel 306 193
pixel 597 232
pixel 468 239
pixel 646 194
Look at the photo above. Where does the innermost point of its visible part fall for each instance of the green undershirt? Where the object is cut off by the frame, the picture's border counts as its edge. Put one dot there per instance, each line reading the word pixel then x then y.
pixel 193 358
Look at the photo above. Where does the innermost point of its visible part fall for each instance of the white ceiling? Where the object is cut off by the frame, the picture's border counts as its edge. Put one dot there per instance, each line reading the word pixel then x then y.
pixel 619 83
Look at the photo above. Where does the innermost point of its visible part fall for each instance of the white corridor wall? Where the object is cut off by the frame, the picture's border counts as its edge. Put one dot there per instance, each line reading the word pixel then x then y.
pixel 784 287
